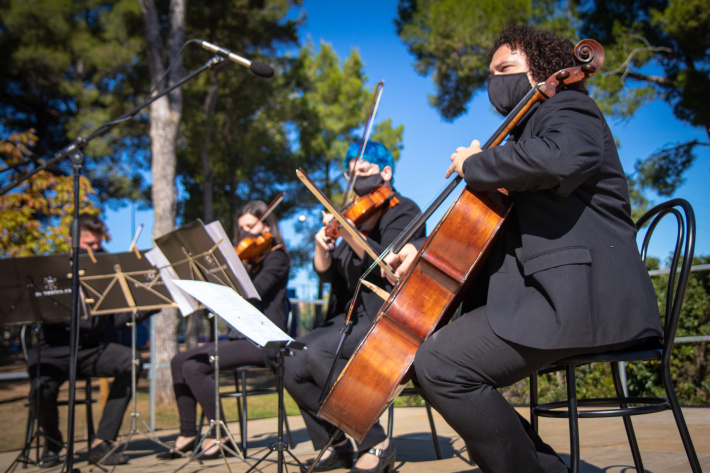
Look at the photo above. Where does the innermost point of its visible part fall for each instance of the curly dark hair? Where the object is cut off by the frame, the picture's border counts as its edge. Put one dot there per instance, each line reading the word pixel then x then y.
pixel 546 52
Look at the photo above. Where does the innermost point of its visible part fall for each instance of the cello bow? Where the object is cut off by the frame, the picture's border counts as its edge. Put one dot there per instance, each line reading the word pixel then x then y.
pixel 432 288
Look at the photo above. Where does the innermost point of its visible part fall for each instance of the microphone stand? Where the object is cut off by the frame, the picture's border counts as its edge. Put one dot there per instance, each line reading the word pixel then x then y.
pixel 75 153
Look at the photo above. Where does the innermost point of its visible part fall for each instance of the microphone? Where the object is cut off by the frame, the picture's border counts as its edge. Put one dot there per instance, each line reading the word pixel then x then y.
pixel 257 67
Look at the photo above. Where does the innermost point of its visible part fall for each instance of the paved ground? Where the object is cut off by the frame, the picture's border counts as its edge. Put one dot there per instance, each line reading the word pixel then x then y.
pixel 604 447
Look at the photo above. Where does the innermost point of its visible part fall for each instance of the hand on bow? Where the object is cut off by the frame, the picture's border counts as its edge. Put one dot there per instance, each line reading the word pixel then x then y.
pixel 401 261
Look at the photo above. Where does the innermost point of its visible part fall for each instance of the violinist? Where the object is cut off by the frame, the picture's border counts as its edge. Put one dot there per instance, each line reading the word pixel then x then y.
pixel 192 369
pixel 342 264
pixel 564 276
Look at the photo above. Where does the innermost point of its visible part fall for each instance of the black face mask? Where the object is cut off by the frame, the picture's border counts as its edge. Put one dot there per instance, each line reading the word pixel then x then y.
pixel 366 184
pixel 505 91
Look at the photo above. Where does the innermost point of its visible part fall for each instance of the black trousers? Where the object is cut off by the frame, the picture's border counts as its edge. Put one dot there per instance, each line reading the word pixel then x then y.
pixel 192 377
pixel 52 370
pixel 458 370
pixel 307 372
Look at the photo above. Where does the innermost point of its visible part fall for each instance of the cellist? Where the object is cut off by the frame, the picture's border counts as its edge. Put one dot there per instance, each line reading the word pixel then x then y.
pixel 564 276
pixel 342 265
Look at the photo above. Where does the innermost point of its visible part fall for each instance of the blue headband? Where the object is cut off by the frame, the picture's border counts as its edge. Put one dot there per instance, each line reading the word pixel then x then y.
pixel 375 153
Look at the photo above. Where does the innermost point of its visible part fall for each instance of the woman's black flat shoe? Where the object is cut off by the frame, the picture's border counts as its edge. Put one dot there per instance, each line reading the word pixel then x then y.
pixel 174 453
pixel 385 460
pixel 227 446
pixel 341 455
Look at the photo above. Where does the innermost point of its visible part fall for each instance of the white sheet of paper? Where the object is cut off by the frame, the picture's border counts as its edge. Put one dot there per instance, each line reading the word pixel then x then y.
pixel 235 310
pixel 216 231
pixel 186 304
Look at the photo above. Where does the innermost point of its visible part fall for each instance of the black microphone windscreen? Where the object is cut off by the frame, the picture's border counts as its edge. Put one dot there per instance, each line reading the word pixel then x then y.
pixel 261 69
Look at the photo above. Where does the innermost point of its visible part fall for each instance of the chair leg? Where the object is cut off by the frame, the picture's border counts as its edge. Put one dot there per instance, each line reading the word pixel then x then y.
pixel 29 433
pixel 680 422
pixel 628 425
pixel 573 419
pixel 533 401
pixel 434 436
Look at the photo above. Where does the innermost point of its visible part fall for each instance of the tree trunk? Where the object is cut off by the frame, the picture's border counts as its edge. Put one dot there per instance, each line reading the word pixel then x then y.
pixel 207 173
pixel 165 115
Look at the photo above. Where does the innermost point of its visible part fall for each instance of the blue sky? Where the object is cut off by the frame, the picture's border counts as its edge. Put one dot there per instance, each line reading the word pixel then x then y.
pixel 368 26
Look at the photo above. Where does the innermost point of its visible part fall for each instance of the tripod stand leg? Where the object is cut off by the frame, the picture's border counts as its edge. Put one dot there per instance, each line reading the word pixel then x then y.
pixel 217 422
pixel 279 446
pixel 135 415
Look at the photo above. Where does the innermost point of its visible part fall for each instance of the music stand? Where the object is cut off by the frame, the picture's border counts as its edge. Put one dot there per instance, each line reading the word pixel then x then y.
pixel 34 290
pixel 198 252
pixel 256 327
pixel 113 283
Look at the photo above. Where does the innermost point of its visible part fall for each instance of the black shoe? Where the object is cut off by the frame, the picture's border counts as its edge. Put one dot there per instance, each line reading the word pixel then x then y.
pixel 97 454
pixel 49 457
pixel 340 455
pixel 174 453
pixel 385 462
pixel 50 452
pixel 228 446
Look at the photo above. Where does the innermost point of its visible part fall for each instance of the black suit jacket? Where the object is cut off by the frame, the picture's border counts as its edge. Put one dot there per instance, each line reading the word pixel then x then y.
pixel 565 270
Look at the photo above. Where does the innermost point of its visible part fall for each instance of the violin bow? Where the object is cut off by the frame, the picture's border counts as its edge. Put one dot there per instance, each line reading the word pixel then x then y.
pixel 272 206
pixel 365 138
pixel 345 225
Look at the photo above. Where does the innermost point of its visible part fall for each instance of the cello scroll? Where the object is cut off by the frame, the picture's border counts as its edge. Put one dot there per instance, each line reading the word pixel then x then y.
pixel 591 56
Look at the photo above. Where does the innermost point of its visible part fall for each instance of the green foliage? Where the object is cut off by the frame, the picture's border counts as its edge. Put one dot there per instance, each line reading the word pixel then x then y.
pixel 37 213
pixel 236 127
pixel 68 68
pixel 663 170
pixel 451 40
pixel 656 49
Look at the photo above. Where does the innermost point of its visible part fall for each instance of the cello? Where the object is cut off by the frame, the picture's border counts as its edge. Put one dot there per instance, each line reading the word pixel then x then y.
pixel 429 292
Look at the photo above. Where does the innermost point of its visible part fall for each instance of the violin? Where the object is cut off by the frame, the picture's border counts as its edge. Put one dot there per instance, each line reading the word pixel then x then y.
pixel 251 248
pixel 365 211
pixel 428 294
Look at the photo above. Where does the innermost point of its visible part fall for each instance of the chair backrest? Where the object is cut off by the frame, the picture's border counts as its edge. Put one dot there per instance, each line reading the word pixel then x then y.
pixel 681 260
pixel 24 342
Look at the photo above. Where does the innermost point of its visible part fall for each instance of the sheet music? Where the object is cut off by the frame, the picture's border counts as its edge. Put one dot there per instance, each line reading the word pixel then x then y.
pixel 235 310
pixel 218 263
pixel 186 304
